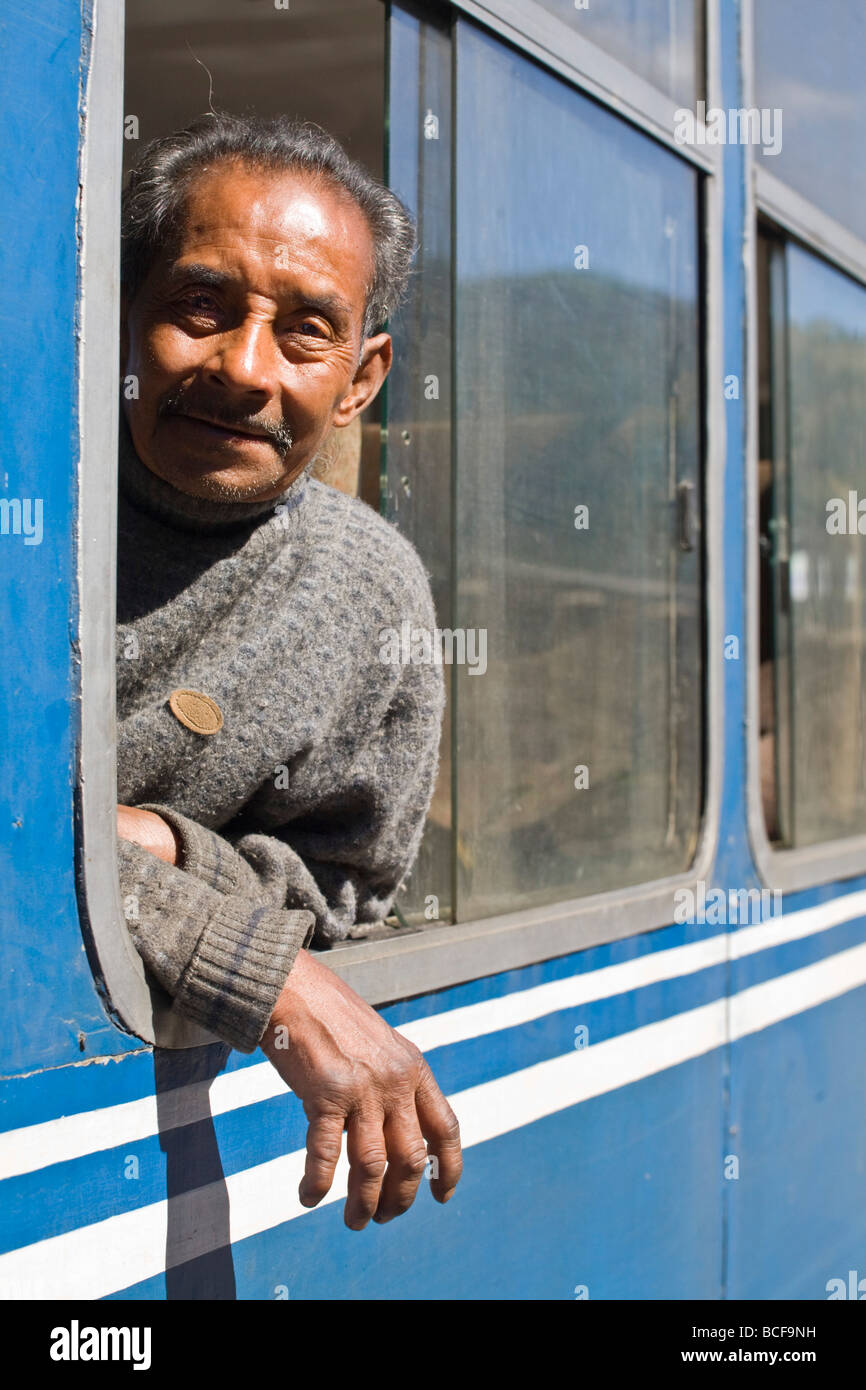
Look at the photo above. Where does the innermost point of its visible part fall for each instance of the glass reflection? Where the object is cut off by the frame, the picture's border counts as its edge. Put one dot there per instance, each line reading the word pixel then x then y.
pixel 578 752
pixel 809 62
pixel 662 40
pixel 826 478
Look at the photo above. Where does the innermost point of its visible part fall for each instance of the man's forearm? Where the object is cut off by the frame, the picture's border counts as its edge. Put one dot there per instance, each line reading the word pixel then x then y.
pixel 149 830
pixel 222 959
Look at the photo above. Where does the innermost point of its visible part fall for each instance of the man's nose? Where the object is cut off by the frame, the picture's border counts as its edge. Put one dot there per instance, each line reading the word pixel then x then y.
pixel 245 359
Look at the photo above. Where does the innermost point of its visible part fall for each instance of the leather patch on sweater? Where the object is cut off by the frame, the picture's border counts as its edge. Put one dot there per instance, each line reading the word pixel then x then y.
pixel 196 711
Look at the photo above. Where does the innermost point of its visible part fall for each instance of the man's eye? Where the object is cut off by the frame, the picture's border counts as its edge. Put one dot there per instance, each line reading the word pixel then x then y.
pixel 310 329
pixel 199 303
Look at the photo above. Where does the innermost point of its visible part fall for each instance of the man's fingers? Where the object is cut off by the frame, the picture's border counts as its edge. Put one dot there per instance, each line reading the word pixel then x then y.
pixel 407 1160
pixel 442 1132
pixel 368 1157
pixel 324 1143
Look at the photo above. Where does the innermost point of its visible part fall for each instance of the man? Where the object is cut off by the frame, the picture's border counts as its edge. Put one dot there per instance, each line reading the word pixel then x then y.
pixel 274 773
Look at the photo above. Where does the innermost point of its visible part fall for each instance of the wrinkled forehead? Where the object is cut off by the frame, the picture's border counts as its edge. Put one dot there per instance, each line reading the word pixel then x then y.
pixel 257 222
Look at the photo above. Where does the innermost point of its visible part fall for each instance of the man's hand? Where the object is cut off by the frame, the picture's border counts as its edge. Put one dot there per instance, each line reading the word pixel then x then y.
pixel 149 830
pixel 354 1072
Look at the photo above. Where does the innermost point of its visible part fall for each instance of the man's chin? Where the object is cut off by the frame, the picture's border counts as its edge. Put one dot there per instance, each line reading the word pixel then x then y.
pixel 228 483
pixel 217 467
pixel 215 485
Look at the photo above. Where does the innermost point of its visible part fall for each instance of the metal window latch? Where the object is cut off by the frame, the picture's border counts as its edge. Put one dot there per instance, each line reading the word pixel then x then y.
pixel 686 521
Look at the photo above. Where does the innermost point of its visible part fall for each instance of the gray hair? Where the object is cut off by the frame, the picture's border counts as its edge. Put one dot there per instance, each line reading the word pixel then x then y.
pixel 155 194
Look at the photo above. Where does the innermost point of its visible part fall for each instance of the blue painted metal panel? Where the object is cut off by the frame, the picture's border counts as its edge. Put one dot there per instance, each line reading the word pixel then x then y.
pixel 734 864
pixel 600 1195
pixel 798 1207
pixel 62 1196
pixel 57 1013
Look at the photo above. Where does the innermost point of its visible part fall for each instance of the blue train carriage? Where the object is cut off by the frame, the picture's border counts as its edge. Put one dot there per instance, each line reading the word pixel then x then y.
pixel 624 431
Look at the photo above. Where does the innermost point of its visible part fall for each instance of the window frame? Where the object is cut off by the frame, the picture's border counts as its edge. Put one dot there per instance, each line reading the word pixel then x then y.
pixel 417 960
pixel 801 221
pixel 117 966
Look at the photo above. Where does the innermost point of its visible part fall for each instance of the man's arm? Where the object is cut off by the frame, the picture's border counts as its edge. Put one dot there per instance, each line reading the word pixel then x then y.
pixel 350 1069
pixel 331 845
pixel 223 960
pixel 353 1072
pixel 332 829
pixel 150 831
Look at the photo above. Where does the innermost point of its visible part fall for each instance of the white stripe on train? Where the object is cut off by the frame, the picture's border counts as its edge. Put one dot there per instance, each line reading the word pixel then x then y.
pixel 107 1256
pixel 59 1140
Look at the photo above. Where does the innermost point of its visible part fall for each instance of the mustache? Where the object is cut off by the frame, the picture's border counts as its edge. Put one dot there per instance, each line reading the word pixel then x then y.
pixel 190 401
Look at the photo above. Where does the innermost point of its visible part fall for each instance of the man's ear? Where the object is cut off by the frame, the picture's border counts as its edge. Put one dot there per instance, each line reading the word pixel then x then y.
pixel 376 359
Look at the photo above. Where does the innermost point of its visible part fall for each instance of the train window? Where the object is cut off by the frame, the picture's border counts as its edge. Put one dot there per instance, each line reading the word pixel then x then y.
pixel 418 455
pixel 574 535
pixel 540 440
pixel 809 66
pixel 808 185
pixel 812 354
pixel 663 40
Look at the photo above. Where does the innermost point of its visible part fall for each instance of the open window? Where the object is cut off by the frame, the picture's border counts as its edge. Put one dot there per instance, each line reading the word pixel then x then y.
pixel 321 62
pixel 544 439
pixel 155 66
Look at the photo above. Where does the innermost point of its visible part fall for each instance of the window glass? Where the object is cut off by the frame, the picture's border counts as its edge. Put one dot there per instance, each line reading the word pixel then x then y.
pixel 816 337
pixel 418 390
pixel 662 40
pixel 809 62
pixel 577 549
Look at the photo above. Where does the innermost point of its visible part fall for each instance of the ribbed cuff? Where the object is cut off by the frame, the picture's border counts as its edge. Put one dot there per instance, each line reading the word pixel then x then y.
pixel 204 854
pixel 239 967
pixel 212 860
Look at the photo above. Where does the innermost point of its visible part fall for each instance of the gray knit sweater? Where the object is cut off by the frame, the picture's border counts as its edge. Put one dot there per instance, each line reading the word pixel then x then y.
pixel 300 817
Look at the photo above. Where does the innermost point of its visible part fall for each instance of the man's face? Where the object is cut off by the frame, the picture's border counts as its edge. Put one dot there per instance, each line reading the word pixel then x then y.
pixel 246 339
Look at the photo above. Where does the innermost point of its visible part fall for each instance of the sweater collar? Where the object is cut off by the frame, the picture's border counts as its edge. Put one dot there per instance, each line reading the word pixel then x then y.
pixel 154 495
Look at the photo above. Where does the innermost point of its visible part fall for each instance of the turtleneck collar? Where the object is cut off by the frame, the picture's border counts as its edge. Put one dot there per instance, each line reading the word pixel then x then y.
pixel 154 495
